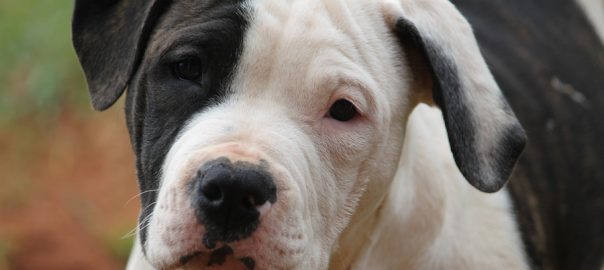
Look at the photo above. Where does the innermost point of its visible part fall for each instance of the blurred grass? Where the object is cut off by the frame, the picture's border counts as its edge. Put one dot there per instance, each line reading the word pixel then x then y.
pixel 39 72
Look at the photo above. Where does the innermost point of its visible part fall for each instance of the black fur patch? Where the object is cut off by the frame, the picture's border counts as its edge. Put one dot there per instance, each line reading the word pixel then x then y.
pixel 158 103
pixel 557 187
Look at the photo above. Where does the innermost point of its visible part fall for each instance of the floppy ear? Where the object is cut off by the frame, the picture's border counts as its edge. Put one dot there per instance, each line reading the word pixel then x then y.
pixel 485 137
pixel 109 37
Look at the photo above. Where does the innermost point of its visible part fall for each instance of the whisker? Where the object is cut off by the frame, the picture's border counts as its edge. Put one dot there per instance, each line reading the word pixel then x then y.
pixel 136 229
pixel 143 221
pixel 138 195
pixel 142 228
pixel 147 207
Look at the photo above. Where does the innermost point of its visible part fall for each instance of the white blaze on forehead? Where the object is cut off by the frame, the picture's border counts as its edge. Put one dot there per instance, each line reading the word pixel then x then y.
pixel 294 49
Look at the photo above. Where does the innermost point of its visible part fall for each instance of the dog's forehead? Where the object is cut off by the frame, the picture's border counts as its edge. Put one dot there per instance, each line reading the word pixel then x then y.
pixel 304 54
pixel 298 45
pixel 295 54
pixel 293 46
pixel 187 20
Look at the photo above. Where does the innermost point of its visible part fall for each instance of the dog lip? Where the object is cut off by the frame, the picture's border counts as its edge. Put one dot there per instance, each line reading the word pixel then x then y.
pixel 217 257
pixel 187 258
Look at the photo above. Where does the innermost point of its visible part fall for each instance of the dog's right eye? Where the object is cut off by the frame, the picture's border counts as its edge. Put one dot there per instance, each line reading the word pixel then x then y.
pixel 189 69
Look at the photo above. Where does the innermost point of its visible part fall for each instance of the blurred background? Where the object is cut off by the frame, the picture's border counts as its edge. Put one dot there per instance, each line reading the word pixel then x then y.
pixel 67 179
pixel 68 193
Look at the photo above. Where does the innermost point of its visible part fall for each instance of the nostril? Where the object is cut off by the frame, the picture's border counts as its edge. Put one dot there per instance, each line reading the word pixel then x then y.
pixel 212 192
pixel 253 201
pixel 248 202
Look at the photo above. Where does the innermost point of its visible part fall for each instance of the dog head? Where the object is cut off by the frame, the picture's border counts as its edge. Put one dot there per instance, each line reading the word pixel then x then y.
pixel 259 125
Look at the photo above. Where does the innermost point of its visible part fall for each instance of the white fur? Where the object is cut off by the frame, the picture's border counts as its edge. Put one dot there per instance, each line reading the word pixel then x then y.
pixel 349 194
pixel 137 260
pixel 594 9
pixel 431 218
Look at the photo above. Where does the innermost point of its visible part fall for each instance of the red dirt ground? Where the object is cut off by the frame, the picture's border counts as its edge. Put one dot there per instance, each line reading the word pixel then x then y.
pixel 64 188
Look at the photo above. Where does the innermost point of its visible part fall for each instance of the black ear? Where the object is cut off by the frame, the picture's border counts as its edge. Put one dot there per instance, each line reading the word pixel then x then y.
pixel 110 37
pixel 485 137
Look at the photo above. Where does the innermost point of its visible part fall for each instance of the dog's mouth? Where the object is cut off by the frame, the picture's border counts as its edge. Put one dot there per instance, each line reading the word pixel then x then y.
pixel 220 258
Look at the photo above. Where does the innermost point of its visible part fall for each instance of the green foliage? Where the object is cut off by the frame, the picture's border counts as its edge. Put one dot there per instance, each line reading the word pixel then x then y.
pixel 39 72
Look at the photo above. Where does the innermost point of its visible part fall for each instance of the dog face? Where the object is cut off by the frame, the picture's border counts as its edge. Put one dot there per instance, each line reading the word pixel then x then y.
pixel 259 125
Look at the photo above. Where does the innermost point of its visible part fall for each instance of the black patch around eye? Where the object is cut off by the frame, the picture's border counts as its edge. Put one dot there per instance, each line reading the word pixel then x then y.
pixel 159 103
pixel 342 110
pixel 189 69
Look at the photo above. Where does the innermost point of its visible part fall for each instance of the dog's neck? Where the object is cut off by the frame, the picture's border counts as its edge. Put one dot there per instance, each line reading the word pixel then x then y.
pixel 430 208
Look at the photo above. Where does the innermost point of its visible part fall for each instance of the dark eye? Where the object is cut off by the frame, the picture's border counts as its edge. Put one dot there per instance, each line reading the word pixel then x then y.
pixel 188 69
pixel 342 110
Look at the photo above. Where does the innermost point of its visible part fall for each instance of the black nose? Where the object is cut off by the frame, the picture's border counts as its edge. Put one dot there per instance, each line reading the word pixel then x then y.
pixel 227 196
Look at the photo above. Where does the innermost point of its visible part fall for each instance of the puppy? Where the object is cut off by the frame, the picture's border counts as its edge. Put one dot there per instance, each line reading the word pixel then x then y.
pixel 289 134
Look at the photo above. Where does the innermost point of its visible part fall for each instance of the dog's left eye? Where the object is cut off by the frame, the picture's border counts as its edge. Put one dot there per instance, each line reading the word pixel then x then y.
pixel 188 69
pixel 342 110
